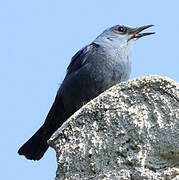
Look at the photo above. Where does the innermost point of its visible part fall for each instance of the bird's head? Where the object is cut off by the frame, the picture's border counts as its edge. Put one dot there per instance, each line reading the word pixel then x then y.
pixel 121 36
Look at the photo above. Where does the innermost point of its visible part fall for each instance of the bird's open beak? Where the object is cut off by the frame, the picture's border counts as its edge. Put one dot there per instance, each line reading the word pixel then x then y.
pixel 135 32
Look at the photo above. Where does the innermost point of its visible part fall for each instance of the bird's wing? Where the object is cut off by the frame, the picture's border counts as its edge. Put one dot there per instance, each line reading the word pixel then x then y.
pixel 80 58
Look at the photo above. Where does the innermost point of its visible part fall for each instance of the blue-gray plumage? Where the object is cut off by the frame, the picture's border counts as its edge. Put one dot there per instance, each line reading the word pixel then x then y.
pixel 95 68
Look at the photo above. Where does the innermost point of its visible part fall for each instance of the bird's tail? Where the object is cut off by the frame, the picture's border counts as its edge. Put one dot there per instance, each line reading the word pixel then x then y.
pixel 37 145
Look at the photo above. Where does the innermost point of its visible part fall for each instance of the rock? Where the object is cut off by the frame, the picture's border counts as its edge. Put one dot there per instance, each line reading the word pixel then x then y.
pixel 130 131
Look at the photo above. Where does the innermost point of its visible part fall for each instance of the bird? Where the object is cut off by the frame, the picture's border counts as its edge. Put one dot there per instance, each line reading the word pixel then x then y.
pixel 93 69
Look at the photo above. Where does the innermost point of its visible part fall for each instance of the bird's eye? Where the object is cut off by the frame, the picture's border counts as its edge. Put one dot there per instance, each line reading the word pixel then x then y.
pixel 121 29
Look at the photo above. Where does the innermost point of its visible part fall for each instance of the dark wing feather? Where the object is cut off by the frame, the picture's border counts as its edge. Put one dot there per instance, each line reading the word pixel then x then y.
pixel 80 58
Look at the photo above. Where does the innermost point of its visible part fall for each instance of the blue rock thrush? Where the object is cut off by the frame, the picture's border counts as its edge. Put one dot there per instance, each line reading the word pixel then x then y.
pixel 93 69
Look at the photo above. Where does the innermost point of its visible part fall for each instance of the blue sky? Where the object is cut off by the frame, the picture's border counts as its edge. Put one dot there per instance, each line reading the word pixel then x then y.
pixel 37 41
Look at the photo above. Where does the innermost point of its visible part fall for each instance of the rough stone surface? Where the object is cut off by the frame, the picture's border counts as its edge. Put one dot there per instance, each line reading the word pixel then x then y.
pixel 130 131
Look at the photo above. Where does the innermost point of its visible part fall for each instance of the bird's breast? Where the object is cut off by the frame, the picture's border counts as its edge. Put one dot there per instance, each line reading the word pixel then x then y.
pixel 109 70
